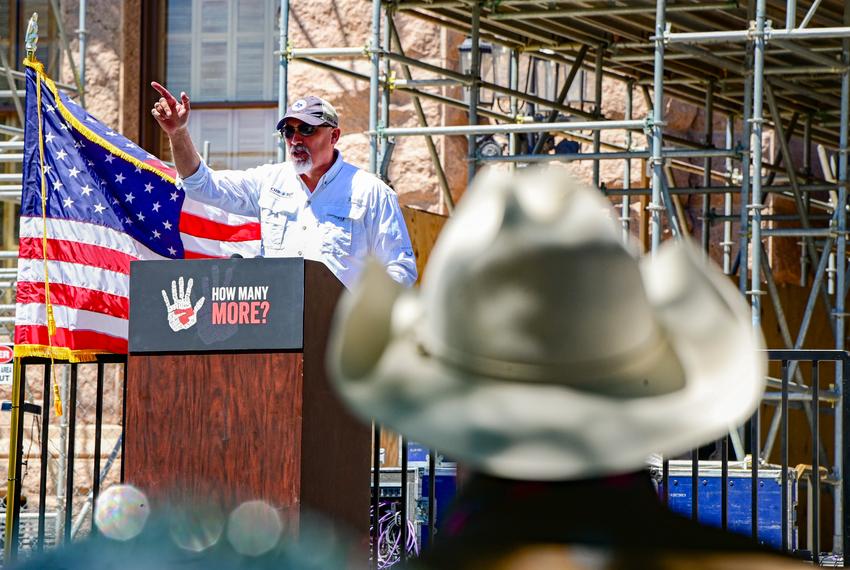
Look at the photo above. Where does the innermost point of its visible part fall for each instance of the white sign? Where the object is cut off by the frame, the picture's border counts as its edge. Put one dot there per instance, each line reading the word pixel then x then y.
pixel 6 373
pixel 7 356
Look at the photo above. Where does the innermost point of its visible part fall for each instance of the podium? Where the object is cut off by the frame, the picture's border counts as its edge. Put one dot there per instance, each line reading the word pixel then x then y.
pixel 236 406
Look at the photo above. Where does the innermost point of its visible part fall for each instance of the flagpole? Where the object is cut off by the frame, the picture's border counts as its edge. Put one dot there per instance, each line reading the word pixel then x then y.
pixel 13 484
pixel 13 490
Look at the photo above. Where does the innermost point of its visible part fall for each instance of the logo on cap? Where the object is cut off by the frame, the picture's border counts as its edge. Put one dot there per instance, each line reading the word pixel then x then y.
pixel 298 105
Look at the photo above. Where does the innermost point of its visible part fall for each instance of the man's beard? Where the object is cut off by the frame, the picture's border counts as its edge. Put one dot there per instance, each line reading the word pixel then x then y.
pixel 303 165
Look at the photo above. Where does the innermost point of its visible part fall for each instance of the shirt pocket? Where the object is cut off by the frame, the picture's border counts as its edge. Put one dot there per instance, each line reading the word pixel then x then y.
pixel 275 213
pixel 341 224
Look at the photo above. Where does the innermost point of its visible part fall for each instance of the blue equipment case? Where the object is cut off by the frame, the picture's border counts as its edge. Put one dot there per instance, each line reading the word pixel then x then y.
pixel 445 491
pixel 739 517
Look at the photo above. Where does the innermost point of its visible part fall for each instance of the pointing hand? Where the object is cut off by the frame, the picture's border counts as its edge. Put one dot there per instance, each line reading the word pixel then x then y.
pixel 171 114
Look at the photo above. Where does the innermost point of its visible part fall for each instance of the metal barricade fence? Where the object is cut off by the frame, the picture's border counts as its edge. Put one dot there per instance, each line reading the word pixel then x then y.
pixel 794 388
pixel 29 369
pixel 28 530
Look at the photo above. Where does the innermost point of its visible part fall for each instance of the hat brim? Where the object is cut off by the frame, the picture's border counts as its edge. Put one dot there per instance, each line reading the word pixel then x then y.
pixel 304 118
pixel 549 431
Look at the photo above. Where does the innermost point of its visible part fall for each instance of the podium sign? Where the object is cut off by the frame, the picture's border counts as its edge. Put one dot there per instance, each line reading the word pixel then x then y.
pixel 216 304
pixel 262 423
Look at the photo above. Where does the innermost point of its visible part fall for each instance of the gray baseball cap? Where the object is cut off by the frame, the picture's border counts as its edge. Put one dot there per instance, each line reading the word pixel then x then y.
pixel 311 110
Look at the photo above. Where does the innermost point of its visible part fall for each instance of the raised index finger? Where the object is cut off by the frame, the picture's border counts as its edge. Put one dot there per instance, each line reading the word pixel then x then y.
pixel 164 92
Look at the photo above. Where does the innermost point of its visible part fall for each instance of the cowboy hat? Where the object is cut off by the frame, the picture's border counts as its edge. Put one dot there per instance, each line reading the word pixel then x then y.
pixel 538 346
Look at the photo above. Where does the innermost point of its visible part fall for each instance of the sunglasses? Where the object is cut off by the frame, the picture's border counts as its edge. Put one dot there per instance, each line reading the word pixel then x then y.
pixel 305 130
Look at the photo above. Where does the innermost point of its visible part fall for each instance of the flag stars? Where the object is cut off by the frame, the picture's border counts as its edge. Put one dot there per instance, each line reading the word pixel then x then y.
pixel 138 169
pixel 148 187
pixel 68 202
pixel 86 190
pixel 156 234
pixel 73 172
pixel 49 138
pixel 57 185
pixel 98 208
pixel 119 178
pixel 156 207
pixel 63 126
pixel 172 251
pixel 174 196
pixel 47 168
pixel 111 133
pixel 50 108
pixel 167 224
pixel 61 154
pixel 109 158
pixel 129 197
pixel 141 217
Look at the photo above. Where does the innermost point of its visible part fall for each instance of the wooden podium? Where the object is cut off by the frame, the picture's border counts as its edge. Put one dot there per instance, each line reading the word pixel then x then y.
pixel 235 425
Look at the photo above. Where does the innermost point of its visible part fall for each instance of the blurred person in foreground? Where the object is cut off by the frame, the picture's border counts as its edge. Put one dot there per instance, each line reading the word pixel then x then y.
pixel 543 355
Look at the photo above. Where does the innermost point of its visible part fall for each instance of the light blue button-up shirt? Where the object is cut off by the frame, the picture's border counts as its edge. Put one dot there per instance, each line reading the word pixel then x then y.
pixel 350 215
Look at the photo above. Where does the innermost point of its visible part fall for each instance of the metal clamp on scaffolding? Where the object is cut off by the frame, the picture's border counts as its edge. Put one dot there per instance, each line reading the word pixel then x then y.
pixel 650 124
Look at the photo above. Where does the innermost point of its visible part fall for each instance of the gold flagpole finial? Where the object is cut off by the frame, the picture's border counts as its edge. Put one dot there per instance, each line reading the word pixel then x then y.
pixel 31 38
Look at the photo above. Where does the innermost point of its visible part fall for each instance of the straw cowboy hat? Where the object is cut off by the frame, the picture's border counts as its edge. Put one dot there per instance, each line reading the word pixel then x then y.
pixel 538 347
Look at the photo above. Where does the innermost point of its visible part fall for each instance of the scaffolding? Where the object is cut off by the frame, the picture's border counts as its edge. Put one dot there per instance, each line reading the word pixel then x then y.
pixel 728 58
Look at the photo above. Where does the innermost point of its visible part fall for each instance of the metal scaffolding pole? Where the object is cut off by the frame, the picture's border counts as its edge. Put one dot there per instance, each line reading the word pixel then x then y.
pixel 474 93
pixel 706 175
pixel 758 123
pixel 386 144
pixel 840 297
pixel 625 213
pixel 727 242
pixel 747 35
pixel 283 75
pixel 746 170
pixel 374 82
pixel 597 107
pixel 513 82
pixel 655 207
pixel 467 130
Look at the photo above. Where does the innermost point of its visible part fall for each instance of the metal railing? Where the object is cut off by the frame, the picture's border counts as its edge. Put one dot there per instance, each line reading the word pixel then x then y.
pixel 28 531
pixel 783 395
pixel 797 387
pixel 35 373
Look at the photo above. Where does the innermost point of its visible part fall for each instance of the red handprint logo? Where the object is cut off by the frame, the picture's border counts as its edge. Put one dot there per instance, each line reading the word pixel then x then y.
pixel 181 314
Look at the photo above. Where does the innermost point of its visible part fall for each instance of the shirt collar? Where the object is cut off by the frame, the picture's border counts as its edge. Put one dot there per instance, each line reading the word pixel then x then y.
pixel 328 176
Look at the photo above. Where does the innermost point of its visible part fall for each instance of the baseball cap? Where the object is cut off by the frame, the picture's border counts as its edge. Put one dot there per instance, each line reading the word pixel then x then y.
pixel 313 111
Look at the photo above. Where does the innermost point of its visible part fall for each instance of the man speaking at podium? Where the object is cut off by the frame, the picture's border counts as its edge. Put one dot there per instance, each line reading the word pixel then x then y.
pixel 315 206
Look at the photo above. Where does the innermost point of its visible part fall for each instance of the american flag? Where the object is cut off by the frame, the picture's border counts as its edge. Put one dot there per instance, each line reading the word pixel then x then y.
pixel 107 202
